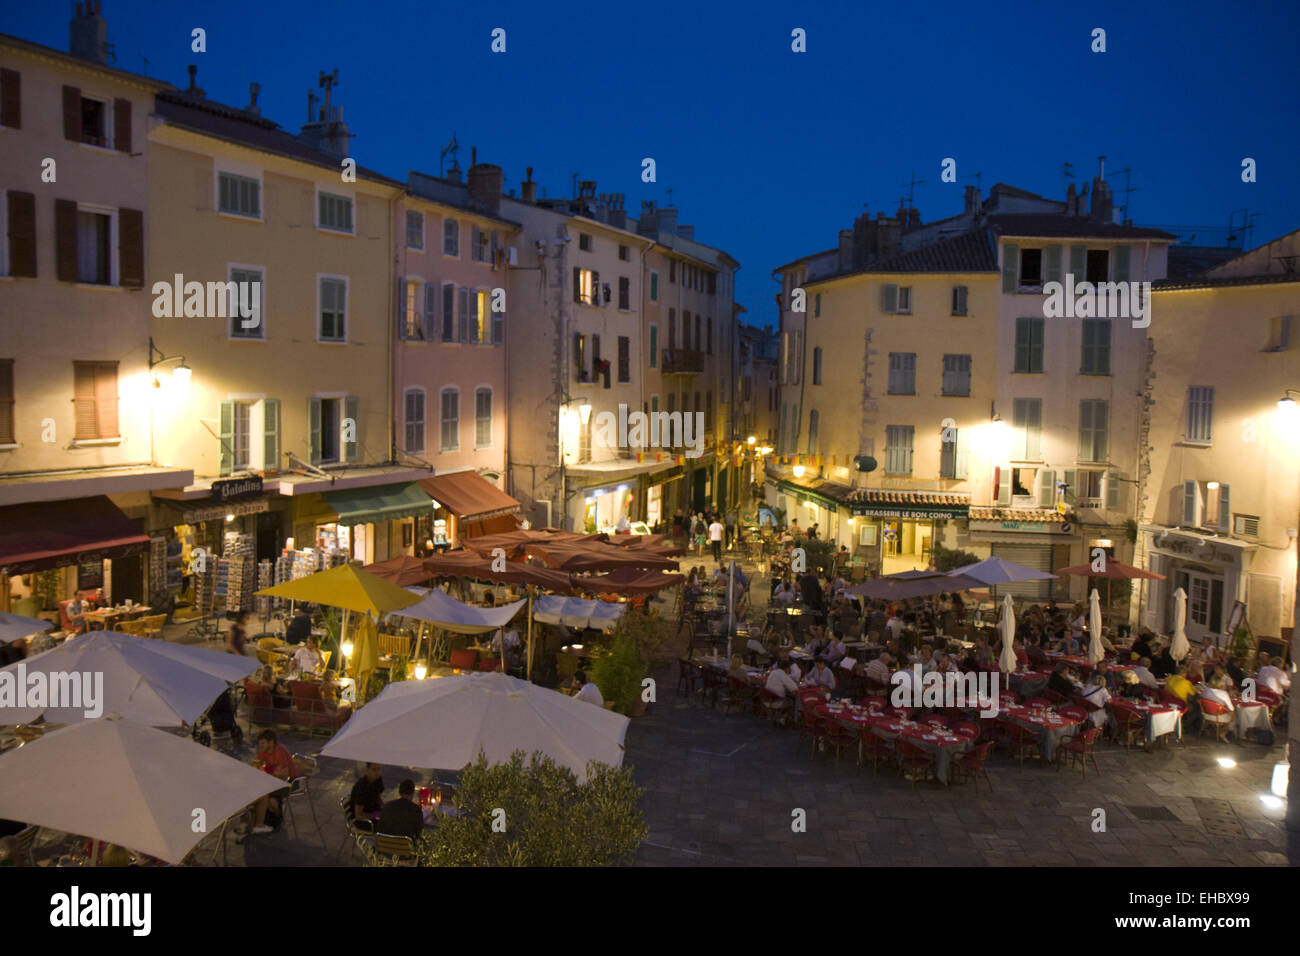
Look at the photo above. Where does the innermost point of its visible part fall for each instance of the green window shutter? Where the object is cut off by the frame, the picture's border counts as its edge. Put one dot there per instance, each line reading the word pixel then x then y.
pixel 351 408
pixel 1071 486
pixel 1046 488
pixel 1037 330
pixel 1191 494
pixel 226 434
pixel 1101 429
pixel 1010 268
pixel 1033 430
pixel 962 457
pixel 889 298
pixel 1078 263
pixel 654 345
pixel 271 434
pixel 1053 263
pixel 313 430
pixel 1004 486
pixel 1225 509
pixel 654 287
pixel 1085 430
pixel 1113 489
pixel 577 284
pixel 1088 356
pixel 1120 263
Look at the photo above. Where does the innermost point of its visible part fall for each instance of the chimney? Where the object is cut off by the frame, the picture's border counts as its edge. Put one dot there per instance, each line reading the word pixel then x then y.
pixel 617 214
pixel 485 184
pixel 667 223
pixel 845 261
pixel 253 90
pixel 686 232
pixel 972 201
pixel 453 173
pixel 1071 201
pixel 648 224
pixel 326 131
pixel 1102 209
pixel 194 89
pixel 528 188
pixel 913 219
pixel 88 33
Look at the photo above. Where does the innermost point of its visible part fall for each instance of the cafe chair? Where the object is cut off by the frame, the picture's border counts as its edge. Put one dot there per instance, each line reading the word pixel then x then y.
pixel 876 748
pixel 777 707
pixel 838 737
pixel 1075 712
pixel 389 850
pixel 1128 724
pixel 685 676
pixel 1052 697
pixel 1079 749
pixel 811 726
pixel 1217 717
pixel 1021 742
pixel 300 790
pixel 970 765
pixel 357 837
pixel 913 758
pixel 740 696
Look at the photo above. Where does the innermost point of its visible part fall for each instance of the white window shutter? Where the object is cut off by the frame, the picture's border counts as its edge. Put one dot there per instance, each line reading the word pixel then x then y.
pixel 1191 498
pixel 1004 486
pixel 962 456
pixel 1046 488
pixel 889 298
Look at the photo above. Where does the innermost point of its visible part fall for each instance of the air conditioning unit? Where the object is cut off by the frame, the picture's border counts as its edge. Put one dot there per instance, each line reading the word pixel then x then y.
pixel 512 256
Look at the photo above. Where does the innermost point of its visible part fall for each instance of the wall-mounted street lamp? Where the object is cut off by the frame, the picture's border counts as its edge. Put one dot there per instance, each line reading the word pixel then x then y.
pixel 181 373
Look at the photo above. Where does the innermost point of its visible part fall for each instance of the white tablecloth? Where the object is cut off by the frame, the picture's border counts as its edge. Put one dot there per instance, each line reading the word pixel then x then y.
pixel 1169 722
pixel 1250 715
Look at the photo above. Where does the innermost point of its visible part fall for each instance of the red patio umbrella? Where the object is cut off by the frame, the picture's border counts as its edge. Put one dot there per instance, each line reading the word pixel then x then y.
pixel 628 581
pixel 1113 570
pixel 403 571
pixel 598 557
pixel 467 564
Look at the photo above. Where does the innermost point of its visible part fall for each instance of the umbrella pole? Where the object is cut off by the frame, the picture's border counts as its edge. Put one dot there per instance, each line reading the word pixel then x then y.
pixel 530 634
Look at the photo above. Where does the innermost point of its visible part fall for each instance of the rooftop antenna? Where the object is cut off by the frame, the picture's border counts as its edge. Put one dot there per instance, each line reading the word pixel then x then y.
pixel 911 188
pixel 669 194
pixel 574 194
pixel 1250 227
pixel 145 60
pixel 978 181
pixel 1068 170
pixel 1127 173
pixel 327 82
pixel 451 147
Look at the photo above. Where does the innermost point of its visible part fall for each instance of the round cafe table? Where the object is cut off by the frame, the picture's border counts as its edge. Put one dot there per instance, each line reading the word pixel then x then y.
pixel 1159 719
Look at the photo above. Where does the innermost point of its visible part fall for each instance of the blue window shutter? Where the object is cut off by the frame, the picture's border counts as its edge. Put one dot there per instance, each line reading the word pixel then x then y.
pixel 313 430
pixel 1053 264
pixel 351 408
pixel 226 432
pixel 1120 263
pixel 271 434
pixel 1010 268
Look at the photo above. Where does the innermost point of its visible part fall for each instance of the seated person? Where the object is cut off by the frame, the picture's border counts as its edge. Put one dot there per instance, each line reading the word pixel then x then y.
pixel 820 675
pixel 402 817
pixel 365 802
pixel 1216 690
pixel 1180 686
pixel 784 594
pixel 738 670
pixel 1164 664
pixel 926 659
pixel 586 690
pixel 779 682
pixel 1142 646
pixel 1271 676
pixel 512 642
pixel 76 611
pixel 1235 672
pixel 1132 687
pixel 1037 657
pixel 273 758
pixel 878 669
pixel 308 660
pixel 1060 681
pixel 1143 671
pixel 835 649
pixel 1106 644
pixel 299 627
pixel 1095 693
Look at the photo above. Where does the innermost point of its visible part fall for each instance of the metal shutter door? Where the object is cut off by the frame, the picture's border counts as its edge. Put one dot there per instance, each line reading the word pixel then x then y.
pixel 1036 556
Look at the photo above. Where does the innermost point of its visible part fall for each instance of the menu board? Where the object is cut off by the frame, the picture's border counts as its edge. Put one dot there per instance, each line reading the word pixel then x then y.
pixel 90 575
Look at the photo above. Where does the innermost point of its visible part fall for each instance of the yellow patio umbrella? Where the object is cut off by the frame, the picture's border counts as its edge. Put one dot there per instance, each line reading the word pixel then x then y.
pixel 348 587
pixel 365 654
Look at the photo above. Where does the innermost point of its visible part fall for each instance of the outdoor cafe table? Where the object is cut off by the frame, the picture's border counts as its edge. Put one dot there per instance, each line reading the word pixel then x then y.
pixel 1159 719
pixel 1248 715
pixel 1079 663
pixel 1028 683
pixel 1051 727
pixel 108 617
pixel 943 744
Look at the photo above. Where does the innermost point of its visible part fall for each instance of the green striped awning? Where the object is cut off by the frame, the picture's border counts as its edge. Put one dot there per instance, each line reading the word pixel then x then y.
pixel 380 503
pixel 804 493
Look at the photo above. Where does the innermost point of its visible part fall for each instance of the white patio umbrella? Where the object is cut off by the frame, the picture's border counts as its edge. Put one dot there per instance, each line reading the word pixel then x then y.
pixel 119 782
pixel 443 723
pixel 1095 651
pixel 14 627
pixel 1180 647
pixel 1007 659
pixel 147 681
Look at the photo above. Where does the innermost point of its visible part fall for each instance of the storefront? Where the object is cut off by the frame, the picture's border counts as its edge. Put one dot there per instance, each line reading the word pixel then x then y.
pixel 662 495
pixel 367 523
pixel 902 534
pixel 1213 575
pixel 1038 539
pixel 466 505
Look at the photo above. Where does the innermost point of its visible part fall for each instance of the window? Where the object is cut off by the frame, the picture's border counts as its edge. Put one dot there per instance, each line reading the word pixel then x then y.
pixel 331 429
pixel 241 435
pixel 708 342
pixel 482 418
pixel 448 312
pixel 1027 420
pixel 654 286
pixel 1096 347
pixel 895 299
pixel 1022 482
pixel 449 438
pixel 956 375
pixel 1089 485
pixel 584 242
pixel 6 401
pixel 239 195
pixel 953 455
pixel 623 253
pixel 1098 265
pixel 898 449
pixel 451 237
pixel 1031 268
pixel 94 122
pixel 580 356
pixel 247 281
pixel 1206 504
pixel 335 212
pixel 672 270
pixel 94 248
pixel 814 422
pixel 1094 423
pixel 333 305
pixel 480 317
pixel 413 421
pixel 624 293
pixel 483 243
pixel 902 373
pixel 585 286
pixel 817 306
pixel 95 400
pixel 498 323
pixel 414 229
pixel 959 299
pixel 1200 414
pixel 713 283
pixel 624 359
pixel 654 346
pixel 1279 333
pixel 1029 345
pixel 817 365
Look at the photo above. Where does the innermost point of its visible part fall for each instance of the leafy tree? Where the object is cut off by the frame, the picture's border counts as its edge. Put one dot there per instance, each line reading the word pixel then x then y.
pixel 947 559
pixel 542 816
pixel 619 673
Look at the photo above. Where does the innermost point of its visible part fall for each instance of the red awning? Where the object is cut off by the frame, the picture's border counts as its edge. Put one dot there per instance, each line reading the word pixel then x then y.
pixel 56 534
pixel 467 564
pixel 594 556
pixel 628 581
pixel 466 494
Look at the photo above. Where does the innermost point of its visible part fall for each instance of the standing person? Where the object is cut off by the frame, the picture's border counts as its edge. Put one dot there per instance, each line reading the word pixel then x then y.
pixel 812 532
pixel 236 635
pixel 679 525
pixel 731 527
pixel 716 531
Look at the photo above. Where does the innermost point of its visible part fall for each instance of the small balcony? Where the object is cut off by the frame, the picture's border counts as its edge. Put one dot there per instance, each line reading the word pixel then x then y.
pixel 683 361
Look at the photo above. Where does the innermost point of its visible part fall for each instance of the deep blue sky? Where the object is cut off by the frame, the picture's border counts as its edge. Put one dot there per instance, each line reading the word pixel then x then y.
pixel 767 152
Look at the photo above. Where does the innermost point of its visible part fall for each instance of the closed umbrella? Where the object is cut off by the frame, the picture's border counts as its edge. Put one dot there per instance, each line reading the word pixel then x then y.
pixel 1180 647
pixel 120 782
pixel 14 627
pixel 1007 659
pixel 1095 651
pixel 443 723
pixel 150 682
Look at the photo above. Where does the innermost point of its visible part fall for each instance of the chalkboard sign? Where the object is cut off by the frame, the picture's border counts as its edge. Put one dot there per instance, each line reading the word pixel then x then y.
pixel 90 575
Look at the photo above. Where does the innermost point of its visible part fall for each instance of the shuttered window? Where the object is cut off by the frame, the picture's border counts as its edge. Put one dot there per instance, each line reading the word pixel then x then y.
pixel 954 457
pixel 1029 345
pixel 1094 427
pixel 959 293
pixel 448 312
pixel 956 375
pixel 414 229
pixel 21 238
pixel 1027 419
pixel 1096 347
pixel 814 424
pixel 898 449
pixel 449 437
pixel 333 323
pixel 335 212
pixel 1200 414
pixel 817 365
pixel 654 346
pixel 95 400
pixel 6 401
pixel 624 359
pixel 450 237
pixel 654 286
pixel 624 293
pixel 239 195
pixel 902 373
pixel 414 421
pixel 11 99
pixel 94 248
pixel 248 293
pixel 483 418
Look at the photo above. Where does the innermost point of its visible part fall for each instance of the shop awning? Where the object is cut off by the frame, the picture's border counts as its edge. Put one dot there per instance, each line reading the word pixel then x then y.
pixel 54 534
pixel 380 503
pixel 804 493
pixel 466 494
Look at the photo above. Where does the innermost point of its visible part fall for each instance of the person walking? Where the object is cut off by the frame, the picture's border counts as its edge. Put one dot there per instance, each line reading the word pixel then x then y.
pixel 716 531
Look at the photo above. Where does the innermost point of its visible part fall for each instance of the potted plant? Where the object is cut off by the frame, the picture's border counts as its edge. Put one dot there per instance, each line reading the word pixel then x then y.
pixel 619 675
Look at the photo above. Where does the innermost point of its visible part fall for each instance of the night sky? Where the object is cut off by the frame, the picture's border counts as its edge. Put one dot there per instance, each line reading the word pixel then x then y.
pixel 768 152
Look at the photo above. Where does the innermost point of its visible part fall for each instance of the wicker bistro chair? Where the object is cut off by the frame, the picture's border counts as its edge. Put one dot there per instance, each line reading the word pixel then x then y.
pixel 394 850
pixel 913 758
pixel 1216 717
pixel 970 765
pixel 1079 749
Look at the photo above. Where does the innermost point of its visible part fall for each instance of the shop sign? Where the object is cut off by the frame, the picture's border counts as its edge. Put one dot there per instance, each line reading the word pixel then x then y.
pixel 233 488
pixel 1196 550
pixel 914 514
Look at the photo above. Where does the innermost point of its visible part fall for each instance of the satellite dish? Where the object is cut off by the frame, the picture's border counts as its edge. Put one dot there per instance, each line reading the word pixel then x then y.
pixel 865 463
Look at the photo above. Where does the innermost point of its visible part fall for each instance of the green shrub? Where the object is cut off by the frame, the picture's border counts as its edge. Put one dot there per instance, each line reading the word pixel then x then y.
pixel 549 818
pixel 948 559
pixel 619 674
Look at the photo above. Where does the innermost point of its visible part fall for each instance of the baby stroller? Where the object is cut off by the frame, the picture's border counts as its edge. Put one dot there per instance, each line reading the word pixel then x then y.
pixel 219 722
